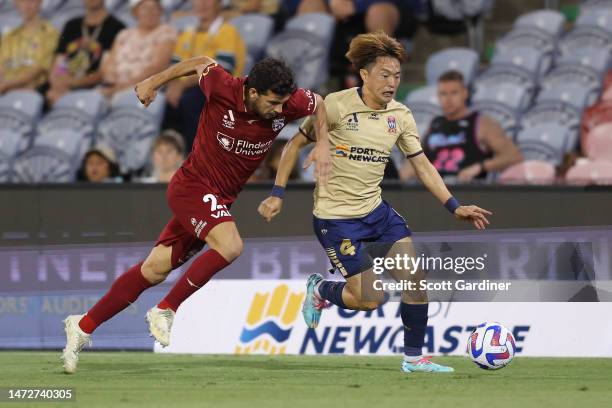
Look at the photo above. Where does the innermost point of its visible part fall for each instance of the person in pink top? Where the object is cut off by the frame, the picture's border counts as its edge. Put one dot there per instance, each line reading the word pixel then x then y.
pixel 138 52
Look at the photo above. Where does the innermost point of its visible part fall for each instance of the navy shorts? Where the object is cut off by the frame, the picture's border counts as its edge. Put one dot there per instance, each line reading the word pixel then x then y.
pixel 350 243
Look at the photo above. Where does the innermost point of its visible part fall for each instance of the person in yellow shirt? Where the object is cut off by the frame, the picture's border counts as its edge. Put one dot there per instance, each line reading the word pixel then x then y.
pixel 215 38
pixel 26 53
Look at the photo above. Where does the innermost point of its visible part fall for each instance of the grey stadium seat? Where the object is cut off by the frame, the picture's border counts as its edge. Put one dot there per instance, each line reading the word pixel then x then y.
pixel 79 110
pixel 529 37
pixel 576 75
pixel 550 21
pixel 528 59
pixel 590 57
pixel 8 22
pixel 504 103
pixel 53 158
pixel 9 147
pixel 599 18
pixel 424 105
pixel 255 30
pixel 574 95
pixel 545 142
pixel 306 53
pixel 505 74
pixel 320 24
pixel 464 60
pixel 20 111
pixel 130 130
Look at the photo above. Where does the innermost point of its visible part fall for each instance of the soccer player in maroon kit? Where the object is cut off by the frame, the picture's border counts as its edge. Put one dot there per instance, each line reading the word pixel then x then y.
pixel 239 122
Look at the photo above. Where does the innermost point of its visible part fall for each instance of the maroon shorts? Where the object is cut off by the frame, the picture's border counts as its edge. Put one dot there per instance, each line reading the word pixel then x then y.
pixel 196 210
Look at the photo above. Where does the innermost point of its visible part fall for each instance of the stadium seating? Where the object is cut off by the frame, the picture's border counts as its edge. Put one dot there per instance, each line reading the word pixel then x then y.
pixel 590 172
pixel 130 128
pixel 305 47
pixel 77 110
pixel 528 59
pixel 424 105
pixel 54 157
pixel 464 60
pixel 544 142
pixel 8 22
pixel 529 172
pixel 578 75
pixel 549 21
pixel 9 147
pixel 503 102
pixel 19 113
pixel 600 18
pixel 255 30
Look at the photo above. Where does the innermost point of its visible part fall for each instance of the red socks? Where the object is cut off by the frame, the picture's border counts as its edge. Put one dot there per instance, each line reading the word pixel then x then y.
pixel 200 271
pixel 124 291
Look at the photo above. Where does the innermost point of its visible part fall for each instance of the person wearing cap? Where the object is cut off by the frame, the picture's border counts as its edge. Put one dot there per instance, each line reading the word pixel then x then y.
pixel 99 165
pixel 138 52
pixel 167 156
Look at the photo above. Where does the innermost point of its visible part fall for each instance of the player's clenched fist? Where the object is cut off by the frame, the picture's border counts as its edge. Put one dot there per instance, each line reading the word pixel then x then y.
pixel 146 92
pixel 270 207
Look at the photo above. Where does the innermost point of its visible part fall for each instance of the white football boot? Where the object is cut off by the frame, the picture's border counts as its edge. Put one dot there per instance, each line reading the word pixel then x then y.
pixel 76 339
pixel 160 324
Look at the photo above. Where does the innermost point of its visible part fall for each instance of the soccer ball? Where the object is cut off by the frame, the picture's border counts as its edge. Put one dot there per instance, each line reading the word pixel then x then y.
pixel 491 346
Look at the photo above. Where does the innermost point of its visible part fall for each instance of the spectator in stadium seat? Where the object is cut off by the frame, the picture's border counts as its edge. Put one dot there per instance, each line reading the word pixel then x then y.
pixel 99 165
pixel 138 52
pixel 354 17
pixel 168 155
pixel 462 143
pixel 214 38
pixel 80 50
pixel 26 53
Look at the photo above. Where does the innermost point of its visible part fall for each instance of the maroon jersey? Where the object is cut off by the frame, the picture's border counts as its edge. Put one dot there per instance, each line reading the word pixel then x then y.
pixel 231 141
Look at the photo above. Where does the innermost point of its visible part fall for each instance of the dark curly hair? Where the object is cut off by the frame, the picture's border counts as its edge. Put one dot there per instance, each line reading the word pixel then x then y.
pixel 271 74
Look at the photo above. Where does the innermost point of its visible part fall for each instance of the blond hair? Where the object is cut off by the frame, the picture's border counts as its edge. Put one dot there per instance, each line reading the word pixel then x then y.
pixel 365 48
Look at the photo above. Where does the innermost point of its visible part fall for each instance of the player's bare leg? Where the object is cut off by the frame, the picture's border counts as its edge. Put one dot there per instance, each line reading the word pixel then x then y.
pixel 225 245
pixel 124 291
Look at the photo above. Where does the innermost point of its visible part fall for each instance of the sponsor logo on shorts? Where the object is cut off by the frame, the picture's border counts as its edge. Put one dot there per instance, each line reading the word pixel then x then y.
pixel 347 247
pixel 194 222
pixel 333 257
pixel 324 231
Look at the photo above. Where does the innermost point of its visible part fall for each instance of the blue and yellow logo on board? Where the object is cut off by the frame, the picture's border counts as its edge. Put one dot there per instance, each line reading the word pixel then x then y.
pixel 270 321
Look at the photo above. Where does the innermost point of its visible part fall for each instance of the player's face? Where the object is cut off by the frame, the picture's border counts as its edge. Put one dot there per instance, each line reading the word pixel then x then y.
pixel 28 9
pixel 166 158
pixel 148 14
pixel 267 105
pixel 382 79
pixel 452 96
pixel 97 168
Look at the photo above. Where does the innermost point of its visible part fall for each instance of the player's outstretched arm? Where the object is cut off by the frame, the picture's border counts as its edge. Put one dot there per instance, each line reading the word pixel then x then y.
pixel 146 90
pixel 320 153
pixel 431 179
pixel 271 206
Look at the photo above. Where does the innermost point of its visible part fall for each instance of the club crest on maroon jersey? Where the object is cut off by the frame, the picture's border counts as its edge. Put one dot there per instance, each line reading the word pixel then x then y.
pixel 226 142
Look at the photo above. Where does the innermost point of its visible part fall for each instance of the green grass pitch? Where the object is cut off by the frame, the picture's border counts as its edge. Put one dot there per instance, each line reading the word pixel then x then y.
pixel 127 379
